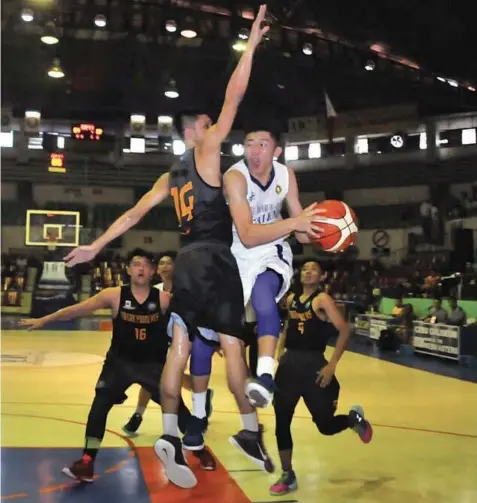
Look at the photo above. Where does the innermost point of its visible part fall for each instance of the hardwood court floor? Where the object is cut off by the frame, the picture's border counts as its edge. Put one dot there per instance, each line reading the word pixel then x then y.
pixel 424 448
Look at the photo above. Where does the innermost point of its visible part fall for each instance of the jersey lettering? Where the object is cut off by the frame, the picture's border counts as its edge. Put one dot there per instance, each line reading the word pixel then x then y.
pixel 183 201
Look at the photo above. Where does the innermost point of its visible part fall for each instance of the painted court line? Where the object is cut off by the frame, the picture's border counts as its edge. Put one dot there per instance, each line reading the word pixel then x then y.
pixel 405 428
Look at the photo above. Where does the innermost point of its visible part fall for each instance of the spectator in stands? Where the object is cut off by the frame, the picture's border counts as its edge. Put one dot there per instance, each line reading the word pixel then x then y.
pixel 437 314
pixel 165 270
pixel 431 282
pixel 398 308
pixel 457 316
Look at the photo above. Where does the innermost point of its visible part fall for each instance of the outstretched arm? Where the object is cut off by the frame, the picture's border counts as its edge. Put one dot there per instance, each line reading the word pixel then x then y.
pixel 129 219
pixel 252 234
pixel 103 300
pixel 237 85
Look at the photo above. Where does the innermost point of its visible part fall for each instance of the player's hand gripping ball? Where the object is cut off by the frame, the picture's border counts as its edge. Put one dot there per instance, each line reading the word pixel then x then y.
pixel 339 224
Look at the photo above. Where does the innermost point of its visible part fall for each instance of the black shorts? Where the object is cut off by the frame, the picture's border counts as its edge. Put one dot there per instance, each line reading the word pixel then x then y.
pixel 207 289
pixel 296 378
pixel 117 375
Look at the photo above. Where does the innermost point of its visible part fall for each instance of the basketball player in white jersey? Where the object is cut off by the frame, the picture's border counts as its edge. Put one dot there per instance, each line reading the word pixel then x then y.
pixel 256 188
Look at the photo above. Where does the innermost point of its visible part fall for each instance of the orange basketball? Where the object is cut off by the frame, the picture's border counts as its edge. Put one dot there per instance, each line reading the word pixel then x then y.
pixel 339 224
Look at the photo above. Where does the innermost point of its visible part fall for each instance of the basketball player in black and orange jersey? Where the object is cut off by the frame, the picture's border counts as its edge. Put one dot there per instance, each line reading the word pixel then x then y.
pixel 303 371
pixel 207 291
pixel 137 353
pixel 199 364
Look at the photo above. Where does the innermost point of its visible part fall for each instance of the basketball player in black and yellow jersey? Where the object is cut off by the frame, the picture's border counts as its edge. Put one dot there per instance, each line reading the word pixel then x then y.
pixel 206 287
pixel 165 270
pixel 136 356
pixel 303 371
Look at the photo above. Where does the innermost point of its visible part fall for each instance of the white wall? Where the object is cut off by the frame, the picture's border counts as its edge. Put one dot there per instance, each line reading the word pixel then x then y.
pixel 386 195
pixel 398 241
pixel 9 191
pixel 83 195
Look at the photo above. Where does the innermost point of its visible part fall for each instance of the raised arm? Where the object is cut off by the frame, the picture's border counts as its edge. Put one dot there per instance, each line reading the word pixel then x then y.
pixel 130 218
pixel 251 234
pixel 107 298
pixel 294 205
pixel 238 84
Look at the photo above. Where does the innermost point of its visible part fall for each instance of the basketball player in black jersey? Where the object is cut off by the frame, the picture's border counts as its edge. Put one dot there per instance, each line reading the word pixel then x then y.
pixel 207 290
pixel 165 270
pixel 136 356
pixel 303 372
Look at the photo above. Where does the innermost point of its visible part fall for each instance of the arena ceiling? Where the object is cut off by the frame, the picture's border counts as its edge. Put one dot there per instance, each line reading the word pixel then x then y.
pixel 126 66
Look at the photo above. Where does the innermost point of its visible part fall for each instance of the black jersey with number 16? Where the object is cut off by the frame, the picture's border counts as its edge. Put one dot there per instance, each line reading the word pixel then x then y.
pixel 140 330
pixel 201 208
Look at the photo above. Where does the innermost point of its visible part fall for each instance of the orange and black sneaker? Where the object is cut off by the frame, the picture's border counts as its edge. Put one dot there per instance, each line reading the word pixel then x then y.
pixel 81 470
pixel 206 459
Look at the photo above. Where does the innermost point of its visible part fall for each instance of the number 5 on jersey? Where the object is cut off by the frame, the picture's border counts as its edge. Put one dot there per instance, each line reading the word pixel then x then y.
pixel 183 202
pixel 141 334
pixel 301 327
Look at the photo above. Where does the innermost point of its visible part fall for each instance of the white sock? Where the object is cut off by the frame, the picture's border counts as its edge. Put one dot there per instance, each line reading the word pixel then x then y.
pixel 140 409
pixel 250 421
pixel 198 404
pixel 170 424
pixel 265 365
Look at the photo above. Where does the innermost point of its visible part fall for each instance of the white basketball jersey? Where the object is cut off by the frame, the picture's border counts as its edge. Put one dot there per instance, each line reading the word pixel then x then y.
pixel 265 201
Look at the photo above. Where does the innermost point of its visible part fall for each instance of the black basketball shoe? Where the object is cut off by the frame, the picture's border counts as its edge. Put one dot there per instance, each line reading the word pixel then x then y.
pixel 169 450
pixel 131 427
pixel 251 444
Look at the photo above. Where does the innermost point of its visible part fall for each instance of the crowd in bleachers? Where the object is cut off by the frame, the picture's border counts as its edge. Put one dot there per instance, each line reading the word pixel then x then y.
pixel 13 279
pixel 358 281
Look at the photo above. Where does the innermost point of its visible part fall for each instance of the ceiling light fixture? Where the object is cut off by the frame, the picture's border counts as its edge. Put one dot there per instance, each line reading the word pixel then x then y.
pixel 27 15
pixel 50 37
pixel 188 30
pixel 171 26
pixel 307 49
pixel 56 72
pixel 239 46
pixel 171 91
pixel 100 20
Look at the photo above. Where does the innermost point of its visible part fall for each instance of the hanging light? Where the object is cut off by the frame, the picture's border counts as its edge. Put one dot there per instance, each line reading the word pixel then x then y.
pixel 370 65
pixel 243 34
pixel 188 30
pixel 27 15
pixel 100 20
pixel 171 90
pixel 49 37
pixel 171 26
pixel 307 49
pixel 240 46
pixel 56 72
